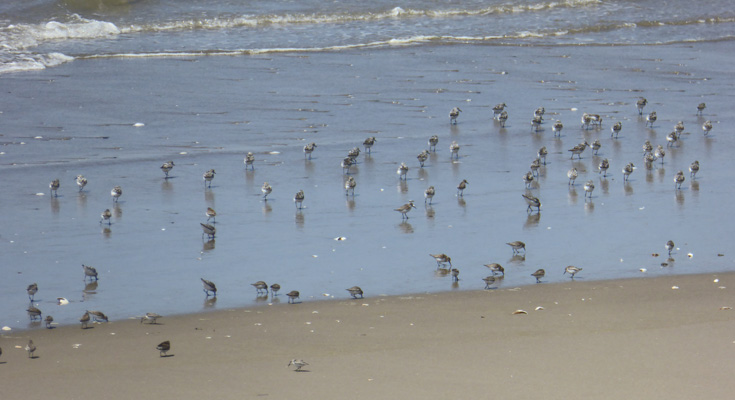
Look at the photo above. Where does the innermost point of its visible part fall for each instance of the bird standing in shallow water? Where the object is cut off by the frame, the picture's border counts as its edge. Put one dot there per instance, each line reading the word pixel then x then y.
pixel 266 189
pixel 679 179
pixel 298 199
pixel 49 320
pixel 496 268
pixel 671 139
pixel 105 216
pixel 603 167
pixel 453 115
pixel 368 144
pixel 489 280
pixel 402 171
pixel 355 291
pixel 31 290
pixel 578 150
pixel 572 175
pixel 54 186
pixel 98 316
pixel 249 161
pixel 116 192
pixel 533 202
pixel 34 313
pixel 292 296
pixel 461 187
pixel 659 153
pixel 627 170
pixel 433 141
pixel 693 169
pixel 260 287
pixel 542 153
pixel 208 177
pixel 422 157
pixel 540 273
pixel 208 230
pixel 640 104
pixel 528 179
pixel 163 348
pixel 572 270
pixel 81 182
pixel 85 320
pixel 211 214
pixel 503 118
pixel 275 288
pixel 596 146
pixel 209 286
pixel 442 259
pixel 308 149
pixel 350 185
pixel 429 194
pixel 700 108
pixel 557 128
pixel 670 246
pixel 455 275
pixel 498 109
pixel 589 186
pixel 615 129
pixel 89 272
pixel 404 209
pixel 517 246
pixel 706 127
pixel 454 149
pixel 166 168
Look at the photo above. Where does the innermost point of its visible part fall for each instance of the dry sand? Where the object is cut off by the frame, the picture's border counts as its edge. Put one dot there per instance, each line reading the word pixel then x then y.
pixel 637 339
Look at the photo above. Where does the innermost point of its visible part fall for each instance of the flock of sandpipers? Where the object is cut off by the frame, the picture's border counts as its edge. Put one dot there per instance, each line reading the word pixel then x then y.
pixel 588 121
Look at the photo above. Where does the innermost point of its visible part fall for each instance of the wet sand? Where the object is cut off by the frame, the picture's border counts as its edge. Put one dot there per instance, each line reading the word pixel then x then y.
pixel 635 338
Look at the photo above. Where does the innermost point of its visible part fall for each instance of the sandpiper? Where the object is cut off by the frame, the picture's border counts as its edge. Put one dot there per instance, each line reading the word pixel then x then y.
pixel 557 128
pixel 489 280
pixel 116 192
pixel 660 153
pixel 679 128
pixel 586 121
pixel 152 317
pixel 540 273
pixel 209 230
pixel 350 184
pixel 105 216
pixel 249 161
pixel 670 246
pixel 700 108
pixel 517 246
pixel 596 146
pixel 167 167
pixel 671 139
pixel 422 157
pixel 453 115
pixel 34 313
pixel 89 272
pixel 572 174
pixel 298 199
pixel 615 129
pixel 163 348
pixel 275 288
pixel 292 296
pixel 49 320
pixel 693 169
pixel 679 179
pixel 30 348
pixel 535 165
pixel 455 275
pixel 649 158
pixel 81 182
pixel 209 286
pixel 308 149
pixel 640 104
pixel 503 118
pixel 603 167
pixel 454 149
pixel 496 268
pixel 596 119
pixel 346 163
pixel 353 154
pixel 98 316
pixel 442 259
pixel 706 127
pixel 627 170
pixel 528 179
pixel 298 363
pixel 533 202
pixel 368 143
pixel 651 118
pixel 208 176
pixel 355 291
pixel 647 147
pixel 578 149
pixel 536 123
pixel 31 290
pixel 429 194
pixel 498 109
pixel 404 209
pixel 572 270
pixel 266 189
pixel 402 171
pixel 54 186
pixel 539 112
pixel 461 187
pixel 433 141
pixel 261 287
pixel 589 186
pixel 211 214
pixel 85 320
pixel 542 153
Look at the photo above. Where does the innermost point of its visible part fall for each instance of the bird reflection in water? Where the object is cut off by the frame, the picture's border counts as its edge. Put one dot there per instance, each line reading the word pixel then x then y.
pixel 405 227
pixel 210 302
pixel 208 245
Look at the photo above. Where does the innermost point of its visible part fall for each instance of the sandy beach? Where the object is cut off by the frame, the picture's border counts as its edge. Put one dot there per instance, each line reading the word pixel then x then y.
pixel 667 337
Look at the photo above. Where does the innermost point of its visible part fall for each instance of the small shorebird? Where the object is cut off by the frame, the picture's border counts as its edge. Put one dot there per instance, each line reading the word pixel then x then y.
pixel 572 270
pixel 489 280
pixel 404 209
pixel 603 167
pixel 49 320
pixel 116 192
pixel 693 169
pixel 557 128
pixel 89 272
pixel 453 115
pixel 454 149
pixel 540 273
pixel 700 108
pixel 98 316
pixel 346 164
pixel 208 176
pixel 496 268
pixel 461 187
pixel 640 104
pixel 355 291
pixel 167 167
pixel 261 287
pixel 536 123
pixel 163 348
pixel 586 121
pixel 455 275
pixel 429 194
pixel 528 179
pixel 442 259
pixel 503 118
pixel 627 170
pixel 679 128
pixel 402 171
pixel 589 186
pixel 31 348
pixel 266 189
pixel 433 141
pixel 517 246
pixel 298 363
pixel 81 182
pixel 34 313
pixel 706 127
pixel 670 246
pixel 350 186
pixel 152 317
pixel 596 146
pixel 368 143
pixel 353 154
pixel 649 159
pixel 275 288
pixel 31 290
pixel 249 161
pixel 535 165
pixel 298 199
pixel 209 230
pixel 615 129
pixel 85 320
pixel 54 186
pixel 539 112
pixel 422 157
pixel 572 174
pixel 498 109
pixel 308 149
pixel 542 153
pixel 596 119
pixel 211 214
pixel 292 296
pixel 651 118
pixel 105 216
pixel 647 147
pixel 533 202
pixel 209 286
pixel 660 153
pixel 679 179
pixel 578 149
pixel 671 139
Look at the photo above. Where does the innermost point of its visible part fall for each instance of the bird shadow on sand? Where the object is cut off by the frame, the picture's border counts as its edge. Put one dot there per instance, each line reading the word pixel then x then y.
pixel 167 355
pixel 301 370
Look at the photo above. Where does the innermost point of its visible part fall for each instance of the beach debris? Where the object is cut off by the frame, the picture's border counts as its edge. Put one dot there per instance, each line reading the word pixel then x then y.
pixel 643 270
pixel 539 308
pixel 675 287
pixel 341 238
pixel 716 280
pixel 690 255
pixel 725 308
pixel 61 301
pixel 138 124
pixel 520 312
pixel 6 328
pixel 655 254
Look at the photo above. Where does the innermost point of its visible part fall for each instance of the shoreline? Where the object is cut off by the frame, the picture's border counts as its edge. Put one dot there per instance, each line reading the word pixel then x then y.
pixel 603 339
